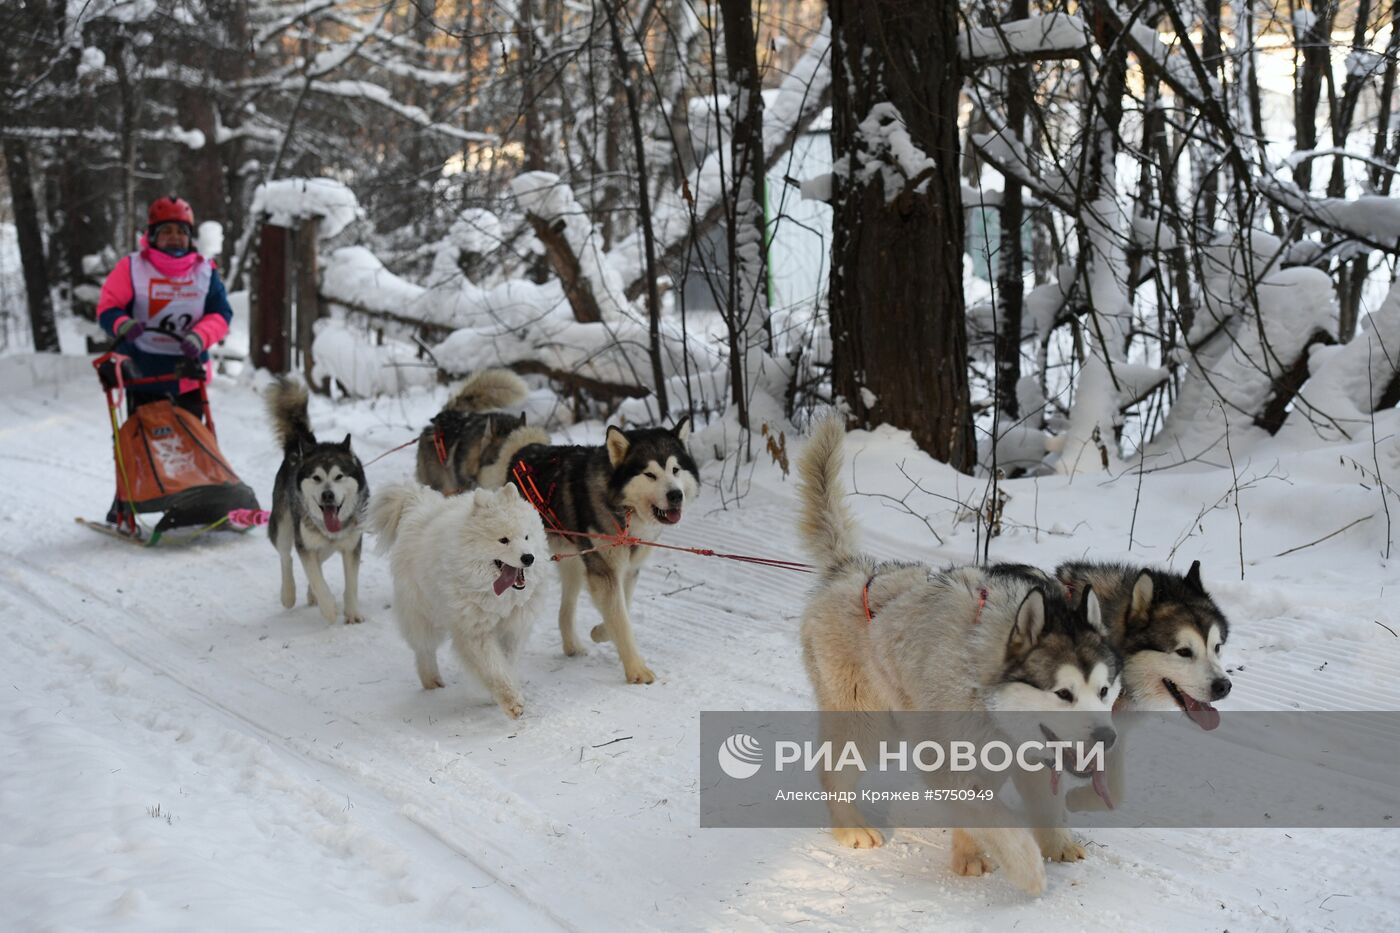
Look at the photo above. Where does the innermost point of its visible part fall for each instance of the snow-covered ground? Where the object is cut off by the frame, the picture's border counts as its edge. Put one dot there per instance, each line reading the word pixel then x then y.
pixel 182 753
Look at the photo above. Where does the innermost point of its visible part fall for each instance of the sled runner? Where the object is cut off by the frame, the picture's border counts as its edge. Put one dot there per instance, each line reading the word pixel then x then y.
pixel 168 461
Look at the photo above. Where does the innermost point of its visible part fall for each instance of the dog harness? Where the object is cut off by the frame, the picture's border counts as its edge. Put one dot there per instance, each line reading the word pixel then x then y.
pixel 982 595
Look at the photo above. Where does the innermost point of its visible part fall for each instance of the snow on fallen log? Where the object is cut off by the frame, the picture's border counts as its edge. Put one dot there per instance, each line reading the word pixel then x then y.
pixel 1054 35
pixel 1250 370
pixel 363 368
pixel 574 248
pixel 1351 382
pixel 517 323
pixel 1089 445
pixel 354 277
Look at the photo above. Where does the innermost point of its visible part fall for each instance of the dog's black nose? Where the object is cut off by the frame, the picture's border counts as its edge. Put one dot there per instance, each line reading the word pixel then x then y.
pixel 674 497
pixel 1105 735
pixel 526 560
pixel 328 497
pixel 1220 688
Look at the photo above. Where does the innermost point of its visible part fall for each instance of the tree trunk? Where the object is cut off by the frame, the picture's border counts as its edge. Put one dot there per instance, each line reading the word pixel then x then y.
pixel 643 208
pixel 1379 177
pixel 1011 263
pixel 127 129
pixel 747 317
pixel 898 324
pixel 1315 48
pixel 31 247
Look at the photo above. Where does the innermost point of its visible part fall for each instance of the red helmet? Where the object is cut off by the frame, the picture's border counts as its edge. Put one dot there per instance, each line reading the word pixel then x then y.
pixel 170 208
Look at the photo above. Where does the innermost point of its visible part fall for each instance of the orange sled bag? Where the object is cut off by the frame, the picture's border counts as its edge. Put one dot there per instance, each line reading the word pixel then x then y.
pixel 168 461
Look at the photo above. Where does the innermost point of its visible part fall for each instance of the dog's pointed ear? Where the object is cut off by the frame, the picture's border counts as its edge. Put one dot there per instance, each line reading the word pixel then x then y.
pixel 617 443
pixel 490 431
pixel 510 492
pixel 345 444
pixel 1030 622
pixel 1141 600
pixel 1193 577
pixel 1093 612
pixel 682 429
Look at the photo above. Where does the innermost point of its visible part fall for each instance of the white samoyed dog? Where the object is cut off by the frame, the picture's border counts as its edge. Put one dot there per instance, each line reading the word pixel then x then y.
pixel 464 569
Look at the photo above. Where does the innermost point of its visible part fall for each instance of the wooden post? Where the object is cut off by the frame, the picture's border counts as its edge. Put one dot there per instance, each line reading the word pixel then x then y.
pixel 307 294
pixel 270 323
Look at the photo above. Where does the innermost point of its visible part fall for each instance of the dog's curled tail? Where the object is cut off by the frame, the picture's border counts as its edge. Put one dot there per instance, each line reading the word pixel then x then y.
pixel 495 474
pixel 826 525
pixel 489 390
pixel 388 506
pixel 286 406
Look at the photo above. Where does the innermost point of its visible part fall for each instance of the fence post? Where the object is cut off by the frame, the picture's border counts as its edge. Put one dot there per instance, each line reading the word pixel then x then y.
pixel 308 299
pixel 269 330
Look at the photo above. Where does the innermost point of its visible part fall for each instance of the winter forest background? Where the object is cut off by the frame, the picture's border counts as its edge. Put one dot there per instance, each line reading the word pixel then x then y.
pixel 1085 229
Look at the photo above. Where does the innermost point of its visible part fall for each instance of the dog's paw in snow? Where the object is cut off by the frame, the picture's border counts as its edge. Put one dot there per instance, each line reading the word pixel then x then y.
pixel 600 633
pixel 968 859
pixel 1058 845
pixel 858 837
pixel 512 706
pixel 641 674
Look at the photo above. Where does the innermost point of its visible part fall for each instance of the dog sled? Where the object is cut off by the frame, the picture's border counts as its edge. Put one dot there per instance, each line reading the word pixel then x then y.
pixel 168 461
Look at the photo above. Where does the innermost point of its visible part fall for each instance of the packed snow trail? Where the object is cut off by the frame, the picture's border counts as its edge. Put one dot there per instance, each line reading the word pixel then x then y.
pixel 184 753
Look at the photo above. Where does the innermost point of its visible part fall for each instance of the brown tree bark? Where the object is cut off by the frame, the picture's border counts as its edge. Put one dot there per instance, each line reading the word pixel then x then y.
pixel 1011 262
pixel 31 247
pixel 643 207
pixel 898 323
pixel 1315 48
pixel 560 255
pixel 746 317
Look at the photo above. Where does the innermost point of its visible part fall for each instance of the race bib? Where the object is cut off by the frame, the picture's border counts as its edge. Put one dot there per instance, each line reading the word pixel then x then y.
pixel 167 305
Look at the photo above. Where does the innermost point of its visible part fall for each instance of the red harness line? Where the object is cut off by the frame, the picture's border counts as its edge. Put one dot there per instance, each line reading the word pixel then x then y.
pixel 525 482
pixel 870 616
pixel 392 450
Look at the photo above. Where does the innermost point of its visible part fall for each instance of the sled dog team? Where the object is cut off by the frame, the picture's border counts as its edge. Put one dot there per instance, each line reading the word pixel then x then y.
pixel 495 501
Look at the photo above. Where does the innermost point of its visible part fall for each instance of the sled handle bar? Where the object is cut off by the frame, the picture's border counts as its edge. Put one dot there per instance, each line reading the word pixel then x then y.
pixel 185 369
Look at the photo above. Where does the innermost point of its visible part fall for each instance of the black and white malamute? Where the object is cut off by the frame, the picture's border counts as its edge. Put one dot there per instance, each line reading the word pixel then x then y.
pixel 318 504
pixel 640 480
pixel 1171 635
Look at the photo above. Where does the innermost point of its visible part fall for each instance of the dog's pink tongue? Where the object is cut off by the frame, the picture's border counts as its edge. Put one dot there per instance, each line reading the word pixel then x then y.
pixel 331 517
pixel 1100 783
pixel 506 579
pixel 1202 714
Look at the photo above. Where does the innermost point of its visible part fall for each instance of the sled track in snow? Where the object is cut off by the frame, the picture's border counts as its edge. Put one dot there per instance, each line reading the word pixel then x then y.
pixel 396 820
pixel 584 811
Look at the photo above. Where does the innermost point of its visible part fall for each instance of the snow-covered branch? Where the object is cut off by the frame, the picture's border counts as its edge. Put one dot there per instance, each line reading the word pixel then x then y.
pixel 1036 38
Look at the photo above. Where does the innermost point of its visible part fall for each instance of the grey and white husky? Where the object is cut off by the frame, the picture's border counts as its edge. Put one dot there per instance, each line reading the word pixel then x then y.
pixel 461 448
pixel 318 504
pixel 1171 635
pixel 640 480
pixel 907 637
